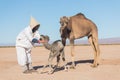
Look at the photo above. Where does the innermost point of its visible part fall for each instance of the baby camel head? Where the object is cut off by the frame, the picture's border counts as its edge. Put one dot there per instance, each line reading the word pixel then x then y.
pixel 44 38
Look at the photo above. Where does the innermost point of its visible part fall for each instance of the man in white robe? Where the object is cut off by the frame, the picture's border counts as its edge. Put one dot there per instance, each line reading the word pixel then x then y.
pixel 24 43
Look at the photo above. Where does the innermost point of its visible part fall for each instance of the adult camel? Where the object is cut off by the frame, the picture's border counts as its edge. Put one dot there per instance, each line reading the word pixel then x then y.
pixel 76 27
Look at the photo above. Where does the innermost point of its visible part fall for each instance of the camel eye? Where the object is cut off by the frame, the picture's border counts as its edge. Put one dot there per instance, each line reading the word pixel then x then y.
pixel 62 24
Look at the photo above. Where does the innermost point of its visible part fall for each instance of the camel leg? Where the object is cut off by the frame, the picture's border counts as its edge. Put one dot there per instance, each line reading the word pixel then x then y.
pixel 97 50
pixel 56 54
pixel 65 63
pixel 95 47
pixel 58 61
pixel 48 63
pixel 45 66
pixel 72 53
pixel 62 54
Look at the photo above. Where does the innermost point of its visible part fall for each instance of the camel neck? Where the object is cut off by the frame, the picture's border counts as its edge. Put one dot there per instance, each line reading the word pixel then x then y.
pixel 47 46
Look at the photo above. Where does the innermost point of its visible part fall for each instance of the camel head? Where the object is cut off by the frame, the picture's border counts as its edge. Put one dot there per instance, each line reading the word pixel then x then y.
pixel 64 29
pixel 44 38
pixel 64 21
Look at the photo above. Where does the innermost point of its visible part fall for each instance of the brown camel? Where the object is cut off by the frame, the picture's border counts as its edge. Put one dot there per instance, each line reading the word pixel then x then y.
pixel 76 27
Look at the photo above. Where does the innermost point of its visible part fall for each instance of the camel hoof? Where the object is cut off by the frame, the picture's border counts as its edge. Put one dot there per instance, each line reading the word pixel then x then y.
pixel 58 66
pixel 94 66
pixel 50 72
pixel 72 67
pixel 33 71
pixel 42 72
pixel 66 68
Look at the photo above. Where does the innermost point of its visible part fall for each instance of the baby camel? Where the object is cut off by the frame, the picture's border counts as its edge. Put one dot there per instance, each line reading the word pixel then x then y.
pixel 56 50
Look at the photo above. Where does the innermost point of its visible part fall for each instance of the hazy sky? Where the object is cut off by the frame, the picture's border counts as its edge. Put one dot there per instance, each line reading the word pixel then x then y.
pixel 15 16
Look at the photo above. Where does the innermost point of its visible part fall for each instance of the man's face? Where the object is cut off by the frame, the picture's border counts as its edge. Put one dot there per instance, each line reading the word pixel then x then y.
pixel 35 28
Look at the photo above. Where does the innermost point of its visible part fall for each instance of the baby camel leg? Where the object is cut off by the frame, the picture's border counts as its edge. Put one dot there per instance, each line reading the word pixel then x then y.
pixel 48 63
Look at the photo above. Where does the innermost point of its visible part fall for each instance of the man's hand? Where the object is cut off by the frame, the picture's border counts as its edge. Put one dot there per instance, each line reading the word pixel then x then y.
pixel 35 40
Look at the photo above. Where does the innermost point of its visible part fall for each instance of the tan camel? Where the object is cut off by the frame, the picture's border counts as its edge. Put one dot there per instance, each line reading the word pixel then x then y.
pixel 76 27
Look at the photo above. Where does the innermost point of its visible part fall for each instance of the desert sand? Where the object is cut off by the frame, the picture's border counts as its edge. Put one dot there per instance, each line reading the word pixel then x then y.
pixel 109 68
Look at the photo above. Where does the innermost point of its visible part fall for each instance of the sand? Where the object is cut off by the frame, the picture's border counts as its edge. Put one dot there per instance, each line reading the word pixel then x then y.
pixel 109 68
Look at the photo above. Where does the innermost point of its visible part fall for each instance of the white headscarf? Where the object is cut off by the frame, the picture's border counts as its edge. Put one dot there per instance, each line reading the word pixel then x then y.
pixel 33 23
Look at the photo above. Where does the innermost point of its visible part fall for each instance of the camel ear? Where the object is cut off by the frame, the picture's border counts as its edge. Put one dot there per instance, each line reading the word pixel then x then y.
pixel 61 19
pixel 47 37
pixel 66 19
pixel 69 24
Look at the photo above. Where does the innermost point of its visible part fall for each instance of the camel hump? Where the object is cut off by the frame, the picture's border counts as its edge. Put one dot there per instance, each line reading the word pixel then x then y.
pixel 81 15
